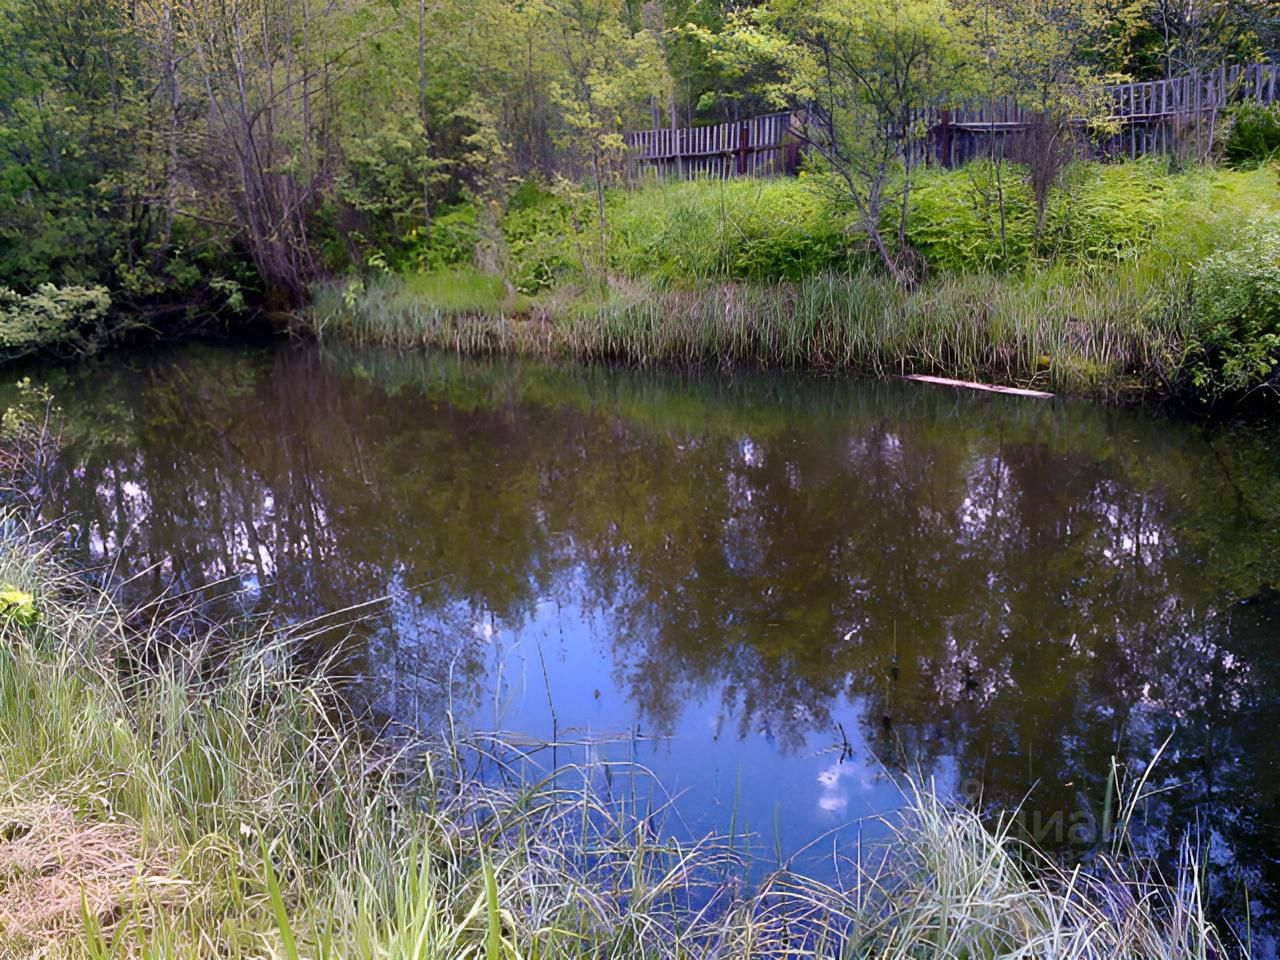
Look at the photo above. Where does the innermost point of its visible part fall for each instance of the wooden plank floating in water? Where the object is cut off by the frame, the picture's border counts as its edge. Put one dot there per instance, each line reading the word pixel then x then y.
pixel 985 387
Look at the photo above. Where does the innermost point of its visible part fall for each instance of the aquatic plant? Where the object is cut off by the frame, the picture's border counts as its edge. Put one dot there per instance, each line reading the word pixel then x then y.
pixel 1066 329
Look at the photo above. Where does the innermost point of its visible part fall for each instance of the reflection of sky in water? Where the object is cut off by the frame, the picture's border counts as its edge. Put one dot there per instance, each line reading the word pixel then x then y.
pixel 555 677
pixel 779 583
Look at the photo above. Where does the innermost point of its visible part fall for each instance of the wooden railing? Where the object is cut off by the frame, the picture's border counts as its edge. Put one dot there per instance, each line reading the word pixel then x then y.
pixel 1153 117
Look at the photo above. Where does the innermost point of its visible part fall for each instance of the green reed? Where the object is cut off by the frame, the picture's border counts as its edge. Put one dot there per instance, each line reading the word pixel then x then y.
pixel 1077 330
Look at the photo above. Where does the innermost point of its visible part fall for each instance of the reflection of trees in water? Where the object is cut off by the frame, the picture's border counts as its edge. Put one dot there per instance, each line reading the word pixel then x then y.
pixel 1022 588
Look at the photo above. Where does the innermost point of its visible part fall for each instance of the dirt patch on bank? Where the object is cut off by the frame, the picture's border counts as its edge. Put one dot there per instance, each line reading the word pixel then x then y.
pixel 55 867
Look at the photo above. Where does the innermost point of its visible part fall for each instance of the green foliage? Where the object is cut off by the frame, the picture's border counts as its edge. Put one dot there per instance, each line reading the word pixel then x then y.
pixel 84 148
pixel 1252 134
pixel 1098 216
pixel 24 418
pixel 754 230
pixel 860 69
pixel 385 164
pixel 548 234
pixel 52 318
pixel 954 221
pixel 1105 213
pixel 1102 308
pixel 454 234
pixel 17 606
pixel 139 155
pixel 1237 312
pixel 608 69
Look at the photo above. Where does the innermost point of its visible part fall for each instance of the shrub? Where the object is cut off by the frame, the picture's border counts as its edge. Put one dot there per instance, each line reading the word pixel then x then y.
pixel 62 318
pixel 954 218
pixel 1252 134
pixel 1106 212
pixel 453 241
pixel 1237 312
pixel 755 230
pixel 545 237
pixel 1101 214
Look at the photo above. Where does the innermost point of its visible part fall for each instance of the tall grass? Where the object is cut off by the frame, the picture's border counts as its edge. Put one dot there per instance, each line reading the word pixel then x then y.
pixel 683 234
pixel 172 789
pixel 1068 328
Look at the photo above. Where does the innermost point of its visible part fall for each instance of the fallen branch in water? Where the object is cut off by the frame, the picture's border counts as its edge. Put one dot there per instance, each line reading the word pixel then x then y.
pixel 968 385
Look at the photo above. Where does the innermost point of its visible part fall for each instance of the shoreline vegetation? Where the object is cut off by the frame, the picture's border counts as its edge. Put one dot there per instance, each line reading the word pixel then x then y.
pixel 1142 287
pixel 175 788
pixel 457 174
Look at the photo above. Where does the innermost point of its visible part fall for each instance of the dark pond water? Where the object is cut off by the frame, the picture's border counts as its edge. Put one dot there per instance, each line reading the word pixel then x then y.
pixel 776 593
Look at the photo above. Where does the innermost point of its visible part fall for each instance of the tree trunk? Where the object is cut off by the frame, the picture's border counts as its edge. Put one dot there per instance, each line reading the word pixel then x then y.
pixel 422 116
pixel 598 172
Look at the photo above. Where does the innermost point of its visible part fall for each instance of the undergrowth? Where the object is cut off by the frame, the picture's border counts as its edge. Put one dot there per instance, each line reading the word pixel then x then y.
pixel 1103 303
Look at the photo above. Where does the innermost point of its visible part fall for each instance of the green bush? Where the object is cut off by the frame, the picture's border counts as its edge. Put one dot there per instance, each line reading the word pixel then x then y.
pixel 1106 212
pixel 954 218
pixel 755 230
pixel 1100 214
pixel 544 234
pixel 1252 134
pixel 1237 312
pixel 454 233
pixel 547 236
pixel 52 318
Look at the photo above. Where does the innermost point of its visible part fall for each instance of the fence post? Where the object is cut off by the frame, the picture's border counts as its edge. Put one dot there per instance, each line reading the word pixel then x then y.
pixel 944 139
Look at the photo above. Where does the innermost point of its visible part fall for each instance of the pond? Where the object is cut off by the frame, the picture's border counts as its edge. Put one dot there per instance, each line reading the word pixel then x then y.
pixel 777 593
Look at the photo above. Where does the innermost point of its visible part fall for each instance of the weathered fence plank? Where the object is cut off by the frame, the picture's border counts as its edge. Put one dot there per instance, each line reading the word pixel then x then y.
pixel 767 145
pixel 1153 117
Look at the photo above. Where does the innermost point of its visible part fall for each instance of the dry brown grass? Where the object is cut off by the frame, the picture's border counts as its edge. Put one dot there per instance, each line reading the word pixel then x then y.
pixel 56 867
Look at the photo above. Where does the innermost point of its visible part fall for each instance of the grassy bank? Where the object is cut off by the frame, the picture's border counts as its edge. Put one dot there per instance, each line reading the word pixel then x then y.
pixel 1026 331
pixel 1121 294
pixel 174 789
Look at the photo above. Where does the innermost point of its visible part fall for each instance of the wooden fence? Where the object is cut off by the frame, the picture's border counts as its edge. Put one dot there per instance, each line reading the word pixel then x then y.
pixel 763 146
pixel 1154 117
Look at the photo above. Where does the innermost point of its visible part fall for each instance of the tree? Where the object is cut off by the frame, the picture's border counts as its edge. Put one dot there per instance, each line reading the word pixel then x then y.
pixel 609 72
pixel 1203 34
pixel 262 72
pixel 1047 55
pixel 76 163
pixel 863 71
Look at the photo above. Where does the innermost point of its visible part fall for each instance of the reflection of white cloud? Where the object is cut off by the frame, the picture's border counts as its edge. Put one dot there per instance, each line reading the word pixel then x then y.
pixel 834 798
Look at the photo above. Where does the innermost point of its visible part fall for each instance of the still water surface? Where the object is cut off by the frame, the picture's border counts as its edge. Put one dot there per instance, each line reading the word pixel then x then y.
pixel 776 593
